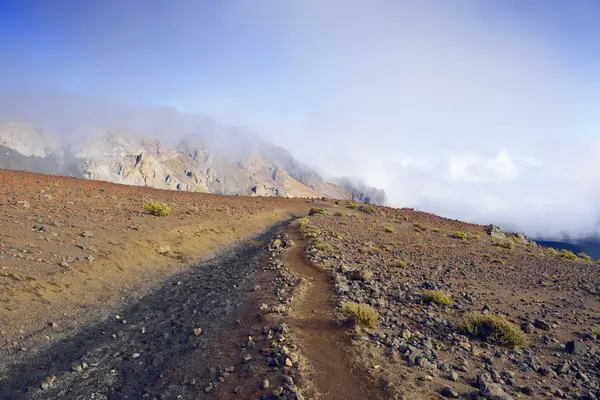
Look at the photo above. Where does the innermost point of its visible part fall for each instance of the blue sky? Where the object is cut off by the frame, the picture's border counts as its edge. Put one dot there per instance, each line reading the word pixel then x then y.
pixel 485 110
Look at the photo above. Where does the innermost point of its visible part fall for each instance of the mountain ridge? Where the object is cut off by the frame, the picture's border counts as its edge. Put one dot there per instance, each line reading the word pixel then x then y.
pixel 162 148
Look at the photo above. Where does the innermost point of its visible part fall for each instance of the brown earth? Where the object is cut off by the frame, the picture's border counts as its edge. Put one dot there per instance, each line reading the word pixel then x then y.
pixel 524 284
pixel 123 324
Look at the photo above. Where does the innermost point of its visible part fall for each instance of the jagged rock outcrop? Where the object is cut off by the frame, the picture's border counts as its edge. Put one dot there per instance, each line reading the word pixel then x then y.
pixel 137 147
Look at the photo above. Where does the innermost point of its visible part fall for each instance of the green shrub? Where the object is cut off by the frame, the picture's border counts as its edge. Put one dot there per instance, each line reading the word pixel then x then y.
pixel 302 221
pixel 309 231
pixel 569 255
pixel 323 247
pixel 157 208
pixel 436 230
pixel 398 264
pixel 366 208
pixel 340 236
pixel 360 314
pixel 586 257
pixel 419 227
pixel 545 284
pixel 507 244
pixel 371 250
pixel 459 235
pixel 497 261
pixel 437 297
pixel 314 211
pixel 338 214
pixel 596 331
pixel 494 328
pixel 388 229
pixel 552 251
pixel 352 206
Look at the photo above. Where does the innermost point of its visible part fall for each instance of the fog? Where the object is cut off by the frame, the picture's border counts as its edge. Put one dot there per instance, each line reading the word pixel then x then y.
pixel 472 110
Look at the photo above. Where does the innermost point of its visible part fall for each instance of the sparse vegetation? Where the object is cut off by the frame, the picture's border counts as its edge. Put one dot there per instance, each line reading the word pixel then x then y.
pixel 371 250
pixel 338 214
pixel 551 251
pixel 323 247
pixel 436 230
pixel 352 206
pixel 360 314
pixel 545 284
pixel 315 210
pixel 158 208
pixel 459 235
pixel 596 331
pixel 306 229
pixel 569 255
pixel 340 236
pixel 494 328
pixel 388 229
pixel 419 227
pixel 586 257
pixel 366 208
pixel 398 264
pixel 497 261
pixel 437 297
pixel 507 244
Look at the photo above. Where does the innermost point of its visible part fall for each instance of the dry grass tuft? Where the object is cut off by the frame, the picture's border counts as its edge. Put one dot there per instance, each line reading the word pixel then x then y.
pixel 360 314
pixel 398 264
pixel 437 297
pixel 157 208
pixel 494 328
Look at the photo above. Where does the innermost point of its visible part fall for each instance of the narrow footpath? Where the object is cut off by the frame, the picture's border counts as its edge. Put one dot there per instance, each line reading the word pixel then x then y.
pixel 324 342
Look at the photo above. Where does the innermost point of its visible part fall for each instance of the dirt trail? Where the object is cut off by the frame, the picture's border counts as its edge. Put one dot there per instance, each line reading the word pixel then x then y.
pixel 324 343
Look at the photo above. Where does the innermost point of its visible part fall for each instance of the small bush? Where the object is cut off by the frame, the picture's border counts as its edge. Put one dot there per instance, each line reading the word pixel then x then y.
pixel 585 257
pixel 494 328
pixel 459 235
pixel 419 227
pixel 314 211
pixel 473 236
pixel 497 261
pixel 157 208
pixel 388 247
pixel 302 221
pixel 340 236
pixel 367 209
pixel 309 230
pixel 569 255
pixel 352 206
pixel 552 251
pixel 436 230
pixel 360 314
pixel 323 247
pixel 596 331
pixel 371 250
pixel 398 264
pixel 507 244
pixel 338 214
pixel 545 284
pixel 437 297
pixel 388 229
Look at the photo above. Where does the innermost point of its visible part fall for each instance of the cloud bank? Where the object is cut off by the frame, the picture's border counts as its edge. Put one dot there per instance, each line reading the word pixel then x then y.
pixel 484 111
pixel 480 113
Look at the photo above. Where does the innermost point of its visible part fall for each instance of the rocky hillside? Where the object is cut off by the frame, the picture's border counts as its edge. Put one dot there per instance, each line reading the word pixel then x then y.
pixel 162 148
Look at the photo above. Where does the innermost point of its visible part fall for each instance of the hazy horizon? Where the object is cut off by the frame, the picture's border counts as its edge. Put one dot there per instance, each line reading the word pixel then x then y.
pixel 481 111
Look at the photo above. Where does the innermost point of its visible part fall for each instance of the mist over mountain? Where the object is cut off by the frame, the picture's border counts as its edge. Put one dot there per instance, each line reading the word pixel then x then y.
pixel 160 147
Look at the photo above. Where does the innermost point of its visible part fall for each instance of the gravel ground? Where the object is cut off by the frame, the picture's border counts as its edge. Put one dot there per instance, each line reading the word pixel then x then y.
pixel 389 258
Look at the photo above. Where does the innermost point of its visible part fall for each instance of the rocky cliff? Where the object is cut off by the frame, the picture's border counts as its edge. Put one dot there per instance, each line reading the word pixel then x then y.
pixel 166 149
